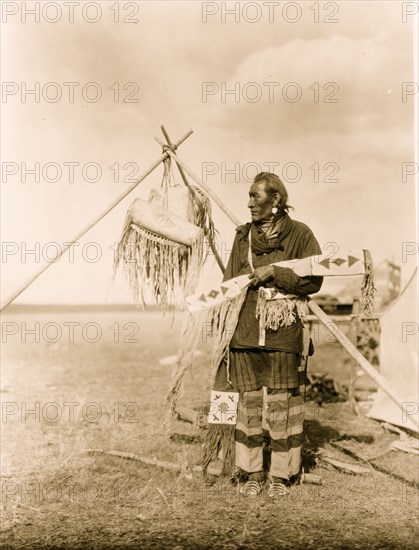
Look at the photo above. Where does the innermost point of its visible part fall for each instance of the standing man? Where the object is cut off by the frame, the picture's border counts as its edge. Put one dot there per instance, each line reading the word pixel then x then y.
pixel 271 237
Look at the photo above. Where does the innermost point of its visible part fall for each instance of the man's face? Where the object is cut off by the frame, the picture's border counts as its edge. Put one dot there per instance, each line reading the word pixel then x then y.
pixel 260 203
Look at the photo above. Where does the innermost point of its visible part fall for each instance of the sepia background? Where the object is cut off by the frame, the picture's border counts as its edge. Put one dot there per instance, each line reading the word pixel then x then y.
pixel 324 90
pixel 321 93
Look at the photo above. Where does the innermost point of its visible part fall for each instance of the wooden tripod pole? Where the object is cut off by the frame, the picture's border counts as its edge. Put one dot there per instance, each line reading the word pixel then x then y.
pixel 318 312
pixel 89 226
pixel 359 358
pixel 203 185
pixel 194 195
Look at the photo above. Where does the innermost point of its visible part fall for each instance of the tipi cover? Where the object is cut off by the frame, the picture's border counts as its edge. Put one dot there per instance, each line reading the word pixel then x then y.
pixel 399 358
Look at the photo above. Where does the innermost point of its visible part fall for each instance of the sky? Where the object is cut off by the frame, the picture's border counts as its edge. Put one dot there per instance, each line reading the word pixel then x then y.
pixel 312 90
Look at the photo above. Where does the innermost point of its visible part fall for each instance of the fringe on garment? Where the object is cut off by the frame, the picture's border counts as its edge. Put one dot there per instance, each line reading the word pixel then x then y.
pixel 170 267
pixel 219 437
pixel 282 312
pixel 218 323
pixel 368 288
pixel 202 214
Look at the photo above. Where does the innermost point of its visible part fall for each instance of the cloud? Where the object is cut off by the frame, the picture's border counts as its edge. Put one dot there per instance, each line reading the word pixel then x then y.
pixel 170 54
pixel 330 84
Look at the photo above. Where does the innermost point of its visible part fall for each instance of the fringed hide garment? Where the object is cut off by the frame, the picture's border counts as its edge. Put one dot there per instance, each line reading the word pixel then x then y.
pixel 162 245
pixel 219 309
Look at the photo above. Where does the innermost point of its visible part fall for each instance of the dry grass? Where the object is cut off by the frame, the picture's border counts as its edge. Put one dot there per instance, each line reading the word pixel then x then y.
pixel 54 495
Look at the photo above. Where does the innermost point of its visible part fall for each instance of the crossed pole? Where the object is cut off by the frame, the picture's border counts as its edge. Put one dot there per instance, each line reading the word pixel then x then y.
pixel 169 150
pixel 332 327
pixel 96 220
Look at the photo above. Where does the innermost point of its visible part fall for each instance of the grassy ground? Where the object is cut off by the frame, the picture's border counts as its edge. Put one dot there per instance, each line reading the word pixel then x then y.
pixel 109 394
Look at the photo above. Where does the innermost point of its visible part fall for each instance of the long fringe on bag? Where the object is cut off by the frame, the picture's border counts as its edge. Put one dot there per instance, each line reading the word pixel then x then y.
pixel 158 268
pixel 219 323
pixel 274 312
pixel 219 437
pixel 281 312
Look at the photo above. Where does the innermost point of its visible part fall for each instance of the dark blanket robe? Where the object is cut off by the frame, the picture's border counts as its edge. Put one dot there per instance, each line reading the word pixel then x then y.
pixel 294 241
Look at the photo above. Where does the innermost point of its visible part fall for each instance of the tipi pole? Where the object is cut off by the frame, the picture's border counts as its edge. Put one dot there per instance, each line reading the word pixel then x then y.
pixel 203 185
pixel 89 226
pixel 318 312
pixel 359 358
pixel 193 193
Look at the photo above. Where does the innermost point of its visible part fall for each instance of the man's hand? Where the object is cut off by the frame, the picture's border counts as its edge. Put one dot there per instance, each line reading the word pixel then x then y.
pixel 261 275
